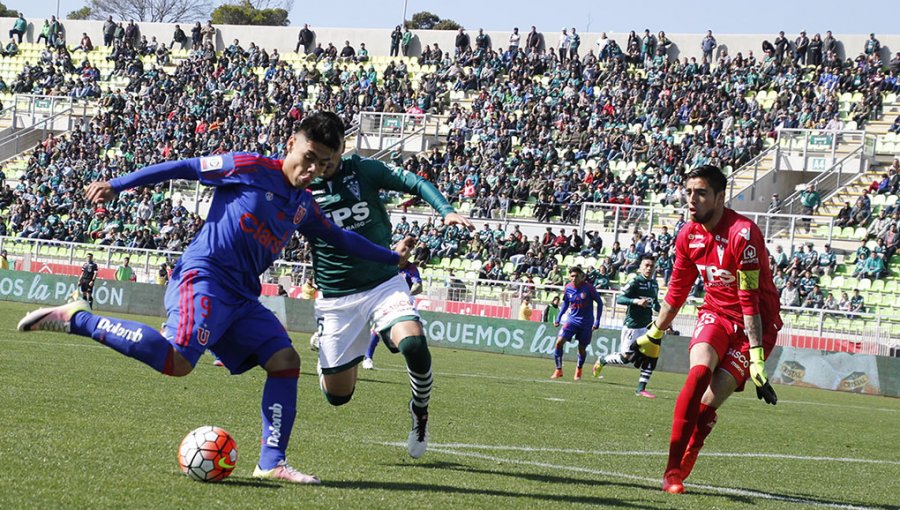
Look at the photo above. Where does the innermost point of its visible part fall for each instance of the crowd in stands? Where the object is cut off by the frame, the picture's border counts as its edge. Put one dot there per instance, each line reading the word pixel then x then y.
pixel 545 126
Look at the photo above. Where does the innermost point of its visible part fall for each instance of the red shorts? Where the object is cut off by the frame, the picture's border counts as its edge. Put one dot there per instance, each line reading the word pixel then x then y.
pixel 731 344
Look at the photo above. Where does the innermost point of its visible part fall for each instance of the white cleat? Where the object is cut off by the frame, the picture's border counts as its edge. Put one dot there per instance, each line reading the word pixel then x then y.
pixel 283 471
pixel 314 342
pixel 56 318
pixel 417 442
pixel 367 364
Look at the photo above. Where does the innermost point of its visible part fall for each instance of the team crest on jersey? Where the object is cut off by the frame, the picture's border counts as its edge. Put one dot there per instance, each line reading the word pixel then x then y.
pixel 211 163
pixel 203 335
pixel 354 188
pixel 270 196
pixel 745 233
pixel 298 217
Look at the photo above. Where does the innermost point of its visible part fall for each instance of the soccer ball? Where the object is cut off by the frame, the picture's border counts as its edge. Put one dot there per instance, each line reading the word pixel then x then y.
pixel 207 454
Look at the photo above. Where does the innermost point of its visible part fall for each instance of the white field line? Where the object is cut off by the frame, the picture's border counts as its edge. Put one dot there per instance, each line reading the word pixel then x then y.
pixel 614 474
pixel 656 390
pixel 642 453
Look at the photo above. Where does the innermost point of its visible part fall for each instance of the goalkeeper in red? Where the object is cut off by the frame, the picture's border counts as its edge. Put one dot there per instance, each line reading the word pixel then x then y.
pixel 737 324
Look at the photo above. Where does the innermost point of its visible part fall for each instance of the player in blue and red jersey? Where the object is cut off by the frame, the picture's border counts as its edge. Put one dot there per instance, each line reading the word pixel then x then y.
pixel 577 316
pixel 410 272
pixel 212 299
pixel 738 322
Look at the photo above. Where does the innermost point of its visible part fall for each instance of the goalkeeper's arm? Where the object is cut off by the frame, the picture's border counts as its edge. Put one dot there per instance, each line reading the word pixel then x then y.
pixel 646 347
pixel 764 390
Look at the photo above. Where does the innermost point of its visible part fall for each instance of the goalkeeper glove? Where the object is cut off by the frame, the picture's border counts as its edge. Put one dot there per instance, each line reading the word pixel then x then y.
pixel 764 390
pixel 645 350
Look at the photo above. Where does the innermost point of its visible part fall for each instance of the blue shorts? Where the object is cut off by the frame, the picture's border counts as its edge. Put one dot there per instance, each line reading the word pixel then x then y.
pixel 201 315
pixel 579 332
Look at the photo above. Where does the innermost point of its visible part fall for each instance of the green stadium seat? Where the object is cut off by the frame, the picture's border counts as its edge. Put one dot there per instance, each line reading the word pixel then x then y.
pixel 864 284
pixel 890 286
pixel 837 282
pixel 877 286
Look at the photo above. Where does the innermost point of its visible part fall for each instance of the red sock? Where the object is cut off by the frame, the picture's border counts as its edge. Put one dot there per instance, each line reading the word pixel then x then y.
pixel 706 419
pixel 687 407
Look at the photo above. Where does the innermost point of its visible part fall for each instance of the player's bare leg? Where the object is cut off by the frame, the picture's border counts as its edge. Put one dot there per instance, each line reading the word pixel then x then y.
pixel 704 360
pixel 721 387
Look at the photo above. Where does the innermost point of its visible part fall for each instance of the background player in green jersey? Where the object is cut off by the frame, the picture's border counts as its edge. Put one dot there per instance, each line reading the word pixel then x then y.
pixel 357 295
pixel 639 296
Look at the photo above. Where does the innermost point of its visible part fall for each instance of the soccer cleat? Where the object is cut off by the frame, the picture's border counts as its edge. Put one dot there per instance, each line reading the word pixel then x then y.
pixel 283 471
pixel 367 364
pixel 56 318
pixel 417 442
pixel 598 367
pixel 688 461
pixel 218 363
pixel 578 374
pixel 672 482
pixel 557 374
pixel 644 393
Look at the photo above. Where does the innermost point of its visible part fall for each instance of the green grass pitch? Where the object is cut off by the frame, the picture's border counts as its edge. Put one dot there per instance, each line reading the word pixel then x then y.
pixel 84 427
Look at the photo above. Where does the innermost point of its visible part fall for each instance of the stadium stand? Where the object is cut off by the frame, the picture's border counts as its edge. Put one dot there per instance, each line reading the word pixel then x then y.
pixel 528 139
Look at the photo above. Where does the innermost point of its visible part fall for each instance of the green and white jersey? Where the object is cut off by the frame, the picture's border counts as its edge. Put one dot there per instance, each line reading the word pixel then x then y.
pixel 636 288
pixel 351 199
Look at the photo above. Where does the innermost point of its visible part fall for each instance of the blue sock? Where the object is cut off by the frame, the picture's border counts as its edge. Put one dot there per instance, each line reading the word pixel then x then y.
pixel 580 360
pixel 133 339
pixel 557 357
pixel 373 343
pixel 279 407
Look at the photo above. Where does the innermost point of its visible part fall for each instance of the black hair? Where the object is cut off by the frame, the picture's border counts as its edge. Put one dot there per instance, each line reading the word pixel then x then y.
pixel 713 176
pixel 576 270
pixel 651 258
pixel 323 127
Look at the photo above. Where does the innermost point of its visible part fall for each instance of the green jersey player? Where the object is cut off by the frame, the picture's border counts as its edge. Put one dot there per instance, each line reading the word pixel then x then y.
pixel 639 295
pixel 357 296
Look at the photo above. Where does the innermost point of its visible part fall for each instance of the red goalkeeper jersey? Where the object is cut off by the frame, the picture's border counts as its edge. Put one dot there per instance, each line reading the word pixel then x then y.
pixel 733 262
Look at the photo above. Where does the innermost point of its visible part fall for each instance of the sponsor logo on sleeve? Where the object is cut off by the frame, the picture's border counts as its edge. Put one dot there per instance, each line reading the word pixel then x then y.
pixel 745 233
pixel 211 163
pixel 750 256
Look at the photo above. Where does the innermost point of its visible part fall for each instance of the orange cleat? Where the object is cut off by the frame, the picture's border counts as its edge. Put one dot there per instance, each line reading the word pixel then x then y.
pixel 557 374
pixel 672 482
pixel 578 374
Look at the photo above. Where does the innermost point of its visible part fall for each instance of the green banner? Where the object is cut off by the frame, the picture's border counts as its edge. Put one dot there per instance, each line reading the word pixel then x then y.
pixel 839 371
pixel 821 139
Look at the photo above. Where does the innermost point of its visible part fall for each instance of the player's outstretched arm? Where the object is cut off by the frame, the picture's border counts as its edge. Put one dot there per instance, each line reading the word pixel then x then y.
pixel 646 348
pixel 458 219
pixel 764 390
pixel 187 169
pixel 100 192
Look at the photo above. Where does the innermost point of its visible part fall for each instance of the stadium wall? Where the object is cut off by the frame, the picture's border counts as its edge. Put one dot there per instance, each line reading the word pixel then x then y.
pixel 378 39
pixel 841 371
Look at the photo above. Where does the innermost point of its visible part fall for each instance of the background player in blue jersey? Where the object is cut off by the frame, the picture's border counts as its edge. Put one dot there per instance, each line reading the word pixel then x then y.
pixel 577 316
pixel 410 271
pixel 212 299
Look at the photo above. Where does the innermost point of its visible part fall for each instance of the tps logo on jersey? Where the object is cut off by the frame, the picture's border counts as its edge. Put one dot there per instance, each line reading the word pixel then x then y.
pixel 716 277
pixel 358 212
pixel 298 217
pixel 211 163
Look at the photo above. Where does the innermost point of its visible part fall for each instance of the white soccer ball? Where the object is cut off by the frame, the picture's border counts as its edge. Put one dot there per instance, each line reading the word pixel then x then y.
pixel 207 454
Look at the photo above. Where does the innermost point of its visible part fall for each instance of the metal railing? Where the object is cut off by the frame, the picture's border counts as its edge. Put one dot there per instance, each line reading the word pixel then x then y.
pixel 755 165
pixel 831 181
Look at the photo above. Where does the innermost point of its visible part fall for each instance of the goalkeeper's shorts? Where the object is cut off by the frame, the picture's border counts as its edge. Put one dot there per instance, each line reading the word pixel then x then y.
pixel 731 343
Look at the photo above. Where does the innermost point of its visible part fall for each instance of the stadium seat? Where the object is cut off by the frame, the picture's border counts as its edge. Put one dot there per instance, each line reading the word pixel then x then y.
pixel 864 284
pixel 877 286
pixel 861 233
